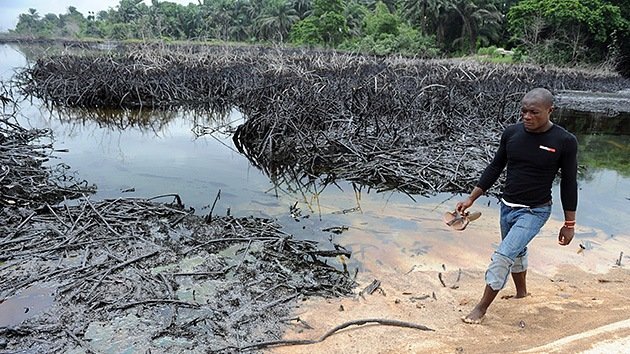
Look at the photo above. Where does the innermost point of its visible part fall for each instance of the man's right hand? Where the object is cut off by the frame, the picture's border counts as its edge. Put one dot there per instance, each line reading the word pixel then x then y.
pixel 463 205
pixel 468 202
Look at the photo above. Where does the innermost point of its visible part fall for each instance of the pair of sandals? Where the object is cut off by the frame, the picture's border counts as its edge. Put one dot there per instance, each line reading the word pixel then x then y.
pixel 459 221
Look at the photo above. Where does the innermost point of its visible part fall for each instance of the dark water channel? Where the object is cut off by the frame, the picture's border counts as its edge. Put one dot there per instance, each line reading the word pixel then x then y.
pixel 145 153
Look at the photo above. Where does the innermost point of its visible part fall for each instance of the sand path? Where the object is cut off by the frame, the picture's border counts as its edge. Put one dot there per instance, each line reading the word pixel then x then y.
pixel 579 301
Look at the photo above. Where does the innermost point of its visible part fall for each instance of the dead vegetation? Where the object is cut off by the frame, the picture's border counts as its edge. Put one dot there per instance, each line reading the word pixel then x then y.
pixel 391 123
pixel 135 273
pixel 27 178
pixel 225 284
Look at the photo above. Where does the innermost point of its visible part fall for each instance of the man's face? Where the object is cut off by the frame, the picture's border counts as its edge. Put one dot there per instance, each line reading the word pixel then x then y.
pixel 535 114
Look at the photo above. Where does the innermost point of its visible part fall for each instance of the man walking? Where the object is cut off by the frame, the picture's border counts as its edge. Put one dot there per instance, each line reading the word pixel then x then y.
pixel 533 151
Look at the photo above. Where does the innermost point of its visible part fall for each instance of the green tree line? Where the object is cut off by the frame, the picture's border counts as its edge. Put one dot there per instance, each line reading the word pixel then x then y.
pixel 543 31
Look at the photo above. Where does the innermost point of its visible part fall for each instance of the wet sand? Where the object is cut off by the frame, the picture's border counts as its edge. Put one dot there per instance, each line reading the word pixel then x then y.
pixel 579 301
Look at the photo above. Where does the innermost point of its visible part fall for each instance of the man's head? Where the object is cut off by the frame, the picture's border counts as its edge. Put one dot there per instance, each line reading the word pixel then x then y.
pixel 536 107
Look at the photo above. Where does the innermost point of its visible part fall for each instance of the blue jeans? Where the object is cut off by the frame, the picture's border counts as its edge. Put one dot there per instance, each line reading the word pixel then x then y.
pixel 518 228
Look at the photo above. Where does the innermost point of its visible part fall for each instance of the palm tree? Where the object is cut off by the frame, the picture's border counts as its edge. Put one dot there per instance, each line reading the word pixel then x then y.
pixel 241 27
pixel 355 13
pixel 303 7
pixel 423 13
pixel 218 17
pixel 276 19
pixel 474 19
pixel 129 10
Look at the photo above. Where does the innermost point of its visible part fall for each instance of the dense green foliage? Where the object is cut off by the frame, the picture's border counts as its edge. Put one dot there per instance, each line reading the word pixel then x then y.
pixel 325 25
pixel 543 31
pixel 566 30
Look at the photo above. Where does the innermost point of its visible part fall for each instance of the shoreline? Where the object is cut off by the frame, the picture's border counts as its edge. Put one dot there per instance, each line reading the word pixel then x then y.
pixel 571 294
pixel 570 313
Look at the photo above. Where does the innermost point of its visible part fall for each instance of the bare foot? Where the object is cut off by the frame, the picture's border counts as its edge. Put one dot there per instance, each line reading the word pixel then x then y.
pixel 476 316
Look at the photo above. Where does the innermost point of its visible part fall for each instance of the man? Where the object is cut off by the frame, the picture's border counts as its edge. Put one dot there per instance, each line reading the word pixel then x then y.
pixel 533 150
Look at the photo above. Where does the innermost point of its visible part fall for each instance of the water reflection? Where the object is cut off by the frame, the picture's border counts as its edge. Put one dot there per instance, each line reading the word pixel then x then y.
pixel 581 122
pixel 142 120
pixel 155 152
pixel 204 121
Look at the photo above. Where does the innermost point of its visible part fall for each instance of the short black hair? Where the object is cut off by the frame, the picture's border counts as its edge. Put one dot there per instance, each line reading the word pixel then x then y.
pixel 541 94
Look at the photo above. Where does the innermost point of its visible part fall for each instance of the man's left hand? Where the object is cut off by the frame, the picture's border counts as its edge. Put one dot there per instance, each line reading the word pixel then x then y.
pixel 566 235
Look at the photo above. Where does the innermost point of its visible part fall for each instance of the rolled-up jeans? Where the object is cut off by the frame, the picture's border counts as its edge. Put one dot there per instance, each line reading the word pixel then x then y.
pixel 518 227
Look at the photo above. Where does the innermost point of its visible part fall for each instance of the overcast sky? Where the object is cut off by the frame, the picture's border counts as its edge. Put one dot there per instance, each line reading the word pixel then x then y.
pixel 11 9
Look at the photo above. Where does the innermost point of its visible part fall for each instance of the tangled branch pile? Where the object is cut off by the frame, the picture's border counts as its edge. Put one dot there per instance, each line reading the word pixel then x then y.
pixel 392 123
pixel 25 179
pixel 167 274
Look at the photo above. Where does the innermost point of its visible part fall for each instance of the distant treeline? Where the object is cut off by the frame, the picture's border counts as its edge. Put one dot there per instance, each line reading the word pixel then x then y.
pixel 540 31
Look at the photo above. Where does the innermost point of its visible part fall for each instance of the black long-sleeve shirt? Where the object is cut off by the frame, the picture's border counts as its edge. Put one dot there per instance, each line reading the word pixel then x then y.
pixel 533 160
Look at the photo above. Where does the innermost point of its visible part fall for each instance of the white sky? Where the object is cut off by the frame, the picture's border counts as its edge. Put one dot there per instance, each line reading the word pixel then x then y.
pixel 11 9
